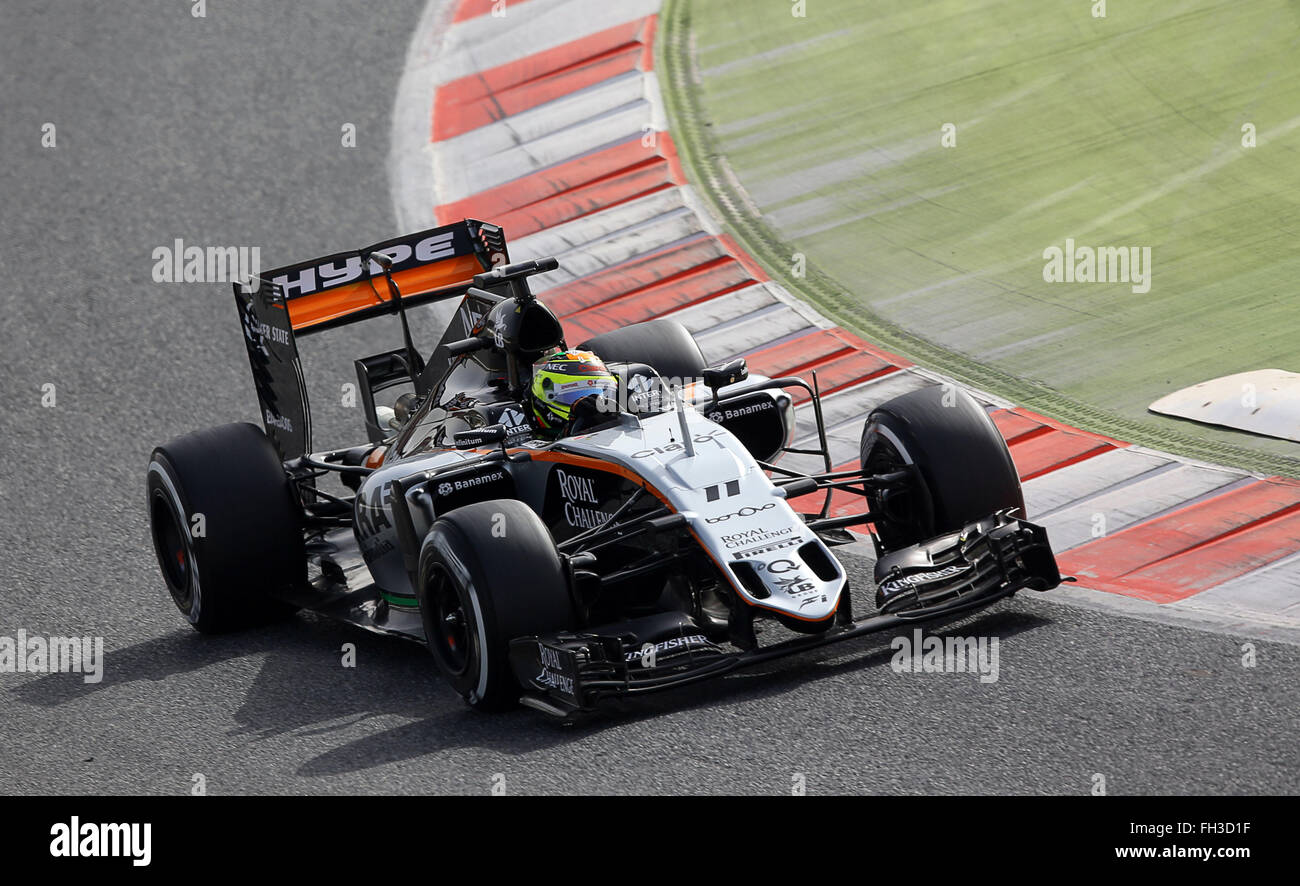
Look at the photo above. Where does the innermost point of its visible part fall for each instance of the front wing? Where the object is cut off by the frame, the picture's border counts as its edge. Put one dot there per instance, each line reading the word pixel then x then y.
pixel 574 671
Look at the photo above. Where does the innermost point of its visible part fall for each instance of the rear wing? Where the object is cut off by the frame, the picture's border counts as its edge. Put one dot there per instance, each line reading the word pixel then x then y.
pixel 341 289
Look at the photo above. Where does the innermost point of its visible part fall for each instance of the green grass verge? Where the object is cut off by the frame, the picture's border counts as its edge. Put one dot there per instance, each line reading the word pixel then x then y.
pixel 821 136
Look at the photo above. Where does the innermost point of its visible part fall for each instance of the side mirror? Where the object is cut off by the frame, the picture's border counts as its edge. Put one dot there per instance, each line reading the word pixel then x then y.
pixel 377 373
pixel 404 406
pixel 488 436
pixel 727 374
pixel 467 346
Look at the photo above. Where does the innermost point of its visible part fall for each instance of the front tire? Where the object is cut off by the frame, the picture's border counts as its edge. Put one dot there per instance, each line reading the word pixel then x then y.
pixel 488 573
pixel 964 469
pixel 226 529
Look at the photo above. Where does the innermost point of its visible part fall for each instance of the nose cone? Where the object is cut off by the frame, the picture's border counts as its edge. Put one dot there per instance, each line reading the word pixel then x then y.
pixel 798 579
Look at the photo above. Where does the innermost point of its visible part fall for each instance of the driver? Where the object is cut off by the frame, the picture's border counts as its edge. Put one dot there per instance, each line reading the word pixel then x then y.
pixel 561 380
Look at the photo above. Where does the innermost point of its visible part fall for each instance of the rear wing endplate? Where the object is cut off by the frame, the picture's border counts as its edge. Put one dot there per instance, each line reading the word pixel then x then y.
pixel 341 289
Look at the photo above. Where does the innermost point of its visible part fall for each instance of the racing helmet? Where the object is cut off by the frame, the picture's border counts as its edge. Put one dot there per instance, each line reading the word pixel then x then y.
pixel 562 379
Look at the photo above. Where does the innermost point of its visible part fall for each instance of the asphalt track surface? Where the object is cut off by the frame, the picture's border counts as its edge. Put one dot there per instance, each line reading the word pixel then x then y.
pixel 226 130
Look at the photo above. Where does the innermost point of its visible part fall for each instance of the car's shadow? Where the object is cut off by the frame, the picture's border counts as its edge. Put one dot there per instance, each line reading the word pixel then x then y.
pixel 302 688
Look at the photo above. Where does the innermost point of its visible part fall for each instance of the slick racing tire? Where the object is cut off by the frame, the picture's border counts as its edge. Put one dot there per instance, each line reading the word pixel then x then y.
pixel 226 527
pixel 488 573
pixel 964 469
pixel 665 345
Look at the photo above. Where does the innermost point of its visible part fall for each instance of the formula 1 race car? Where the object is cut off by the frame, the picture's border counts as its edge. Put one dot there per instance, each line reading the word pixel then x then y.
pixel 646 544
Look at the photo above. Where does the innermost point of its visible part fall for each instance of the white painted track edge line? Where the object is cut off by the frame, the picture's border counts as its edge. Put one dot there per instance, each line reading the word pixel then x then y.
pixel 410 154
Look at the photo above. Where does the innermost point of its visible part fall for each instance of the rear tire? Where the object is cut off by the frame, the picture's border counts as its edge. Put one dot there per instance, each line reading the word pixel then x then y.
pixel 965 469
pixel 488 573
pixel 226 528
pixel 666 345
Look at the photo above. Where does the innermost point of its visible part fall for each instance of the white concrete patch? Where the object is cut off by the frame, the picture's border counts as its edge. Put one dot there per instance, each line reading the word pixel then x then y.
pixel 1265 401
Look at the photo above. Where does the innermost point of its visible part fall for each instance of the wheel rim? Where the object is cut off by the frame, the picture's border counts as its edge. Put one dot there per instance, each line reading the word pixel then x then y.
pixel 175 553
pixel 896 529
pixel 451 639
